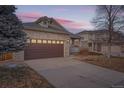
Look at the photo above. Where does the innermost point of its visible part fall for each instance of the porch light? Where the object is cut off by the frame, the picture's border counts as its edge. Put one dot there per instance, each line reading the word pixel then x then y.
pixel 68 40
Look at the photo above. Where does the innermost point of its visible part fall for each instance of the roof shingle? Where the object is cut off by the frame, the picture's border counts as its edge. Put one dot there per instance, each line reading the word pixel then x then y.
pixel 51 29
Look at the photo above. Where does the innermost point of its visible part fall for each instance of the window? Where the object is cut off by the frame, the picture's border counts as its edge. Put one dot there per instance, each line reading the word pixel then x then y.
pixel 99 47
pixel 49 42
pixel 82 38
pixel 44 22
pixel 122 48
pixel 33 41
pixel 44 41
pixel 53 42
pixel 90 44
pixel 39 41
pixel 61 42
pixel 50 22
pixel 57 42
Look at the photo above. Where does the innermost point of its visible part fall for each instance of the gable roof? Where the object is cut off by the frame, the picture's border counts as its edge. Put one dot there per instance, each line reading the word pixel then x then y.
pixel 92 32
pixel 74 36
pixel 117 37
pixel 52 28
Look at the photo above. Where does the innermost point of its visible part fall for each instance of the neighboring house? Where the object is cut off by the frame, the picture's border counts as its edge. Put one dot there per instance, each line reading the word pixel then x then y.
pixel 96 41
pixel 46 39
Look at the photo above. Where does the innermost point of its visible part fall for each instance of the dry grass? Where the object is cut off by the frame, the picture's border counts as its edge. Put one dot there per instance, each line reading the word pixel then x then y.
pixel 85 52
pixel 21 77
pixel 115 63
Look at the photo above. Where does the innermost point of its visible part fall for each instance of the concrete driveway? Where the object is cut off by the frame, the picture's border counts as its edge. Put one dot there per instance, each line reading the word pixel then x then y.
pixel 71 73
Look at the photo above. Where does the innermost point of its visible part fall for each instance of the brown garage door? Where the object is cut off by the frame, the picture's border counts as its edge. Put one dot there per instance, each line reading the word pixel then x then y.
pixel 37 51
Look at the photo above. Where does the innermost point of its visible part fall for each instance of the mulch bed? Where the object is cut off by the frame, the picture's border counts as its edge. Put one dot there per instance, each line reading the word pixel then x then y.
pixel 14 75
pixel 115 63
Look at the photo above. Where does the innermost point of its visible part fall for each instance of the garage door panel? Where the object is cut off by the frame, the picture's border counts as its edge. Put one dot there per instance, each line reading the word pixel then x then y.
pixel 36 51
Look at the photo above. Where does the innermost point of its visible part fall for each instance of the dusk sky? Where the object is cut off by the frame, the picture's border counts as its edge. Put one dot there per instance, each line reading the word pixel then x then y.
pixel 74 18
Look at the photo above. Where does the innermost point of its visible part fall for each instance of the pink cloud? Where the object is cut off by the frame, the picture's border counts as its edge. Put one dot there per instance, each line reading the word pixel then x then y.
pixel 73 24
pixel 32 16
pixel 29 16
pixel 121 14
pixel 64 21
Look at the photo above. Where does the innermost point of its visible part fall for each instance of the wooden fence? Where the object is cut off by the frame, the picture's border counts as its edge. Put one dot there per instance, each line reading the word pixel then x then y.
pixel 6 56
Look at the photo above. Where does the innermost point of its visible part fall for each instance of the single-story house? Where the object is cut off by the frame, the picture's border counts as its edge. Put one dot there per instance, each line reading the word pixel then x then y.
pixel 46 39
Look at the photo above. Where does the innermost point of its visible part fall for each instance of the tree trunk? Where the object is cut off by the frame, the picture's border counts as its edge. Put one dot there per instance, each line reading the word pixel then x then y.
pixel 109 51
pixel 110 28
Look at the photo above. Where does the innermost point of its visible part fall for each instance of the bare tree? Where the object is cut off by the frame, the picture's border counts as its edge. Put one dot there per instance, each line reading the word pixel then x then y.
pixel 110 18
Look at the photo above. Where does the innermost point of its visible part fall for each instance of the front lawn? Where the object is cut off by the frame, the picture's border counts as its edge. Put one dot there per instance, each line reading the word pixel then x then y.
pixel 116 63
pixel 21 76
